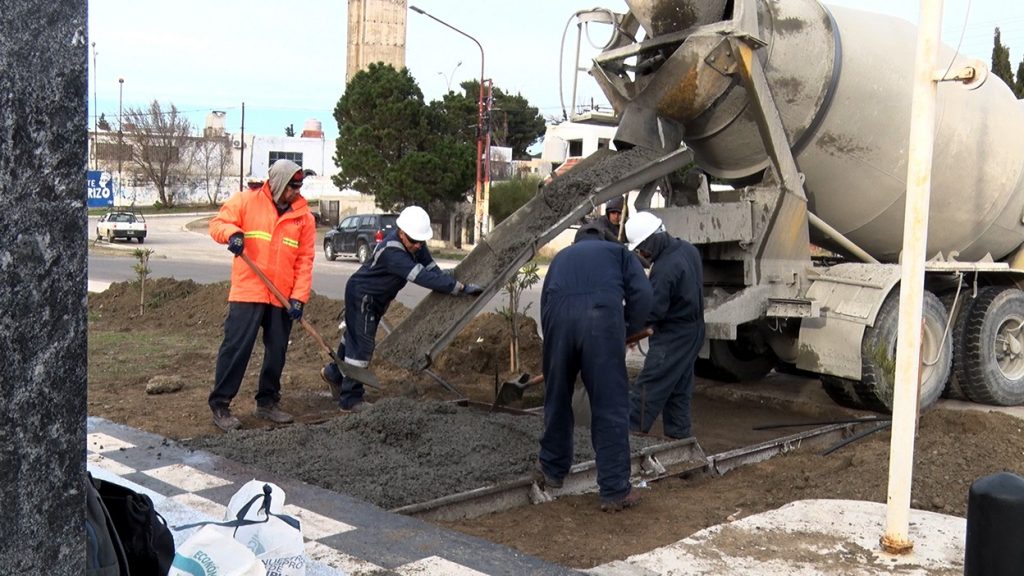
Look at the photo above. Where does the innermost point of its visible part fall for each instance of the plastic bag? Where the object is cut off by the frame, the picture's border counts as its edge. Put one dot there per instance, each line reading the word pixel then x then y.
pixel 274 538
pixel 213 551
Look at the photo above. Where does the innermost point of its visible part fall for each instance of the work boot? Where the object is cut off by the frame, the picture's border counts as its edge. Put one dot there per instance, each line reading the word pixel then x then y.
pixel 543 480
pixel 223 419
pixel 273 413
pixel 361 406
pixel 333 386
pixel 627 501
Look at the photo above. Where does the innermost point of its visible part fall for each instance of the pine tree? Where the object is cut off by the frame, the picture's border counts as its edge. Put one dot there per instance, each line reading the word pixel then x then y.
pixel 1001 60
pixel 1018 87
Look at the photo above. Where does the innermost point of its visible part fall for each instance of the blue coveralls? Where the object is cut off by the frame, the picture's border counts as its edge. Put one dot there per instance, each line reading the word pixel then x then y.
pixel 665 384
pixel 368 294
pixel 585 330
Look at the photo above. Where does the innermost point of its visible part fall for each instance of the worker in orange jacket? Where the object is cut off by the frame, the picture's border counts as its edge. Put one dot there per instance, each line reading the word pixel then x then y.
pixel 274 227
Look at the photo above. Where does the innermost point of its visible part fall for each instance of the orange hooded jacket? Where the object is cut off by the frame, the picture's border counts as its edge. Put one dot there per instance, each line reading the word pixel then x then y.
pixel 281 246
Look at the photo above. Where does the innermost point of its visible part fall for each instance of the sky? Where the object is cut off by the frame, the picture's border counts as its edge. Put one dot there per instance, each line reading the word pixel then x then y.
pixel 286 60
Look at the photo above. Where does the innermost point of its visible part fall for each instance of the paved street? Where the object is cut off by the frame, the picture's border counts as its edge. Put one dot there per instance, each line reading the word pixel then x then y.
pixel 184 254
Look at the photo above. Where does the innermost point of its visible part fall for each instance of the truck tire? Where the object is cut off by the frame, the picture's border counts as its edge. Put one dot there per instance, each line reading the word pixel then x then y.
pixel 878 355
pixel 841 391
pixel 141 240
pixel 363 252
pixel 742 360
pixel 110 236
pixel 965 300
pixel 329 252
pixel 991 357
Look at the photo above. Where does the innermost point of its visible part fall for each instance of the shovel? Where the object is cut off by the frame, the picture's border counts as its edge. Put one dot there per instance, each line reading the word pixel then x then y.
pixel 356 373
pixel 512 390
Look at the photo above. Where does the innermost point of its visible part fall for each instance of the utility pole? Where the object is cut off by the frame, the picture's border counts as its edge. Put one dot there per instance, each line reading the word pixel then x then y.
pixel 896 539
pixel 241 153
pixel 95 113
pixel 485 218
pixel 120 135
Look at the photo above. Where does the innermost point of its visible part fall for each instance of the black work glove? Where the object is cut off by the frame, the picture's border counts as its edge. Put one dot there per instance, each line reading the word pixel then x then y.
pixel 236 243
pixel 296 310
pixel 472 290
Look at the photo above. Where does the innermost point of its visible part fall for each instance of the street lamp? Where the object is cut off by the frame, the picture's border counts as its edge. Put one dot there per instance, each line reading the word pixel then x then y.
pixel 448 78
pixel 480 214
pixel 120 134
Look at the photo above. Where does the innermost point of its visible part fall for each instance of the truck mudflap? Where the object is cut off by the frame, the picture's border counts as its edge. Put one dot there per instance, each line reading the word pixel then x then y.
pixel 848 297
pixel 432 325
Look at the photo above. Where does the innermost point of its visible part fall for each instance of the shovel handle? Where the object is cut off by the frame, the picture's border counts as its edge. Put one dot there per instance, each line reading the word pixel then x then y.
pixel 639 336
pixel 284 302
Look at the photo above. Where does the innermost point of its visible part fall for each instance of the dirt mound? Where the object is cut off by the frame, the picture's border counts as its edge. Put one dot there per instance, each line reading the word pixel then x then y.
pixel 172 305
pixel 483 346
pixel 182 328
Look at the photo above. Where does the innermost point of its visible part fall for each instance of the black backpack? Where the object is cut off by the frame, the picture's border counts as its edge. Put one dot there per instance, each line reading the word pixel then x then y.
pixel 104 555
pixel 147 541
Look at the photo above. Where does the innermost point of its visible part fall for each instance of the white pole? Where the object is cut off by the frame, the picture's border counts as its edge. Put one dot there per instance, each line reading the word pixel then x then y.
pixel 915 238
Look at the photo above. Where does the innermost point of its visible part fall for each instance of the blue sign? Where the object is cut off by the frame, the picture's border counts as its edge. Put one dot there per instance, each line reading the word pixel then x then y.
pixel 101 189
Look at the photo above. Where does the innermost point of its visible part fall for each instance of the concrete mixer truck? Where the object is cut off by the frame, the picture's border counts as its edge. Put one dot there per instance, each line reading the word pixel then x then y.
pixel 804 108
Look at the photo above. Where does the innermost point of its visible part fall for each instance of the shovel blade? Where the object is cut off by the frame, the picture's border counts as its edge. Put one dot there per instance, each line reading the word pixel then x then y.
pixel 512 390
pixel 362 375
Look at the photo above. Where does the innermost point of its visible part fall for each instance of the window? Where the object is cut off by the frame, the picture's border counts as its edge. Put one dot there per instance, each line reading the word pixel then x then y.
pixel 575 147
pixel 293 156
pixel 349 223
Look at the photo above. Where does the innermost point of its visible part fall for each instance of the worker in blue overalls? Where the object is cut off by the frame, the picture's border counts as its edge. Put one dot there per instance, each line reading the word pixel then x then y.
pixel 585 324
pixel 665 385
pixel 401 257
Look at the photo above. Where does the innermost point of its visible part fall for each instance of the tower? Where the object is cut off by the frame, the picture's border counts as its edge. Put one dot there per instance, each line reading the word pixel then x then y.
pixel 376 33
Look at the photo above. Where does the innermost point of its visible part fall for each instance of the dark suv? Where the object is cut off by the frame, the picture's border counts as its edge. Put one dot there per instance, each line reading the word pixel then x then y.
pixel 357 235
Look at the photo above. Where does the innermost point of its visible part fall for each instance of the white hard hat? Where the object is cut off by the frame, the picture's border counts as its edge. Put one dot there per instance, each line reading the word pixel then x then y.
pixel 415 223
pixel 640 227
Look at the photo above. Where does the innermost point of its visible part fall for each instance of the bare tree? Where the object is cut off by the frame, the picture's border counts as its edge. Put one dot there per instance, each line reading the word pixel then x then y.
pixel 159 143
pixel 213 159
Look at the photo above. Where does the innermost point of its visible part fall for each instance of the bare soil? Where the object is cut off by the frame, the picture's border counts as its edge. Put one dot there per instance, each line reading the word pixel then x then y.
pixel 177 337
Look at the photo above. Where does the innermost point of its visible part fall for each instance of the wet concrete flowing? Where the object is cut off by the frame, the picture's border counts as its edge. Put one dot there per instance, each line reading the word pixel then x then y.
pixel 400 452
pixel 439 317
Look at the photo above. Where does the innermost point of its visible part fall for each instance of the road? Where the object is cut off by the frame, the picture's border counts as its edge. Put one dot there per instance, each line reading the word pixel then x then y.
pixel 186 255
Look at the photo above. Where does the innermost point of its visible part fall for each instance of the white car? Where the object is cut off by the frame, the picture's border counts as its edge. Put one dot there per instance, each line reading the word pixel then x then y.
pixel 121 224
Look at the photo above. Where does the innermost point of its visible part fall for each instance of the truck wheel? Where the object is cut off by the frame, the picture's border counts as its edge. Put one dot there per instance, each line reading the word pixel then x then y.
pixel 110 236
pixel 841 391
pixel 141 240
pixel 329 251
pixel 991 358
pixel 363 252
pixel 742 360
pixel 878 355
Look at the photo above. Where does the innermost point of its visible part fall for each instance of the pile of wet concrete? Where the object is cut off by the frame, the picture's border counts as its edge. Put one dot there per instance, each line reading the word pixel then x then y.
pixel 400 452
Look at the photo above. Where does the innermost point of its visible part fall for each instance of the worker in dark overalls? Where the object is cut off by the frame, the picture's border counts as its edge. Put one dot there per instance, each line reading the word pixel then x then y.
pixel 585 324
pixel 612 219
pixel 401 257
pixel 665 384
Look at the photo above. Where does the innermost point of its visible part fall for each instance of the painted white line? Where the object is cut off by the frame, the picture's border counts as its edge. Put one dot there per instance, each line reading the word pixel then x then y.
pixel 316 526
pixel 186 478
pixel 99 442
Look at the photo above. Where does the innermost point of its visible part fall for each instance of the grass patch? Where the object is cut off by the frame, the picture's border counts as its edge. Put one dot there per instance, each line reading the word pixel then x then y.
pixel 143 354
